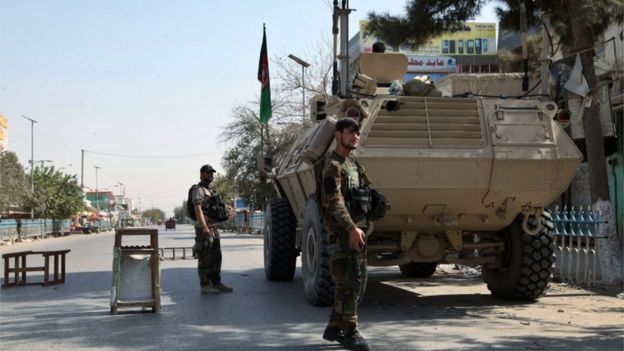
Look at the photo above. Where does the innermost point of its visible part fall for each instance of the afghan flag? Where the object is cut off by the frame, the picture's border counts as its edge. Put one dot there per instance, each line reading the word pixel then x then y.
pixel 263 77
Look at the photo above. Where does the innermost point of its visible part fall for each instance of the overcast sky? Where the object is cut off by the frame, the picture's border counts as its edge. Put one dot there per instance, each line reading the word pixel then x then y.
pixel 144 78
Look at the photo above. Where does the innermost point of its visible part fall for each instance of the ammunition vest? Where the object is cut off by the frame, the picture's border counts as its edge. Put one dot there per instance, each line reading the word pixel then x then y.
pixel 214 208
pixel 357 196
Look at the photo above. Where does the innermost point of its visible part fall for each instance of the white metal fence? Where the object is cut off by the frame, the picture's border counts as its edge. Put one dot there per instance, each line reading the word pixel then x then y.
pixel 575 233
pixel 11 229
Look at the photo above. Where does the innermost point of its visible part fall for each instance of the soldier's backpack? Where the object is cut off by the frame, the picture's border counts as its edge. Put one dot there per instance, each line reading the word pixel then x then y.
pixel 190 210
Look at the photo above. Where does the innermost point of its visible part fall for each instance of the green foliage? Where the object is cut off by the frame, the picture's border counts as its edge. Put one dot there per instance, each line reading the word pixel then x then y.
pixel 597 15
pixel 59 193
pixel 241 160
pixel 224 187
pixel 427 18
pixel 179 212
pixel 14 187
pixel 423 20
pixel 154 214
pixel 511 61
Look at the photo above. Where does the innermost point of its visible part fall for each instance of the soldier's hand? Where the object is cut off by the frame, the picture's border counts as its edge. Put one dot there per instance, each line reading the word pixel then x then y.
pixel 356 239
pixel 206 231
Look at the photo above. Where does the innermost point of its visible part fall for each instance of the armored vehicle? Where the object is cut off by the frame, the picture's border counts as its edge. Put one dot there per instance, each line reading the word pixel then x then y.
pixel 468 180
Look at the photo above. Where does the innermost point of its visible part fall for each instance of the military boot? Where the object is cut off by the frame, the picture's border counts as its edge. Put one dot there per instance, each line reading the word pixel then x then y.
pixel 333 334
pixel 222 287
pixel 355 342
pixel 209 290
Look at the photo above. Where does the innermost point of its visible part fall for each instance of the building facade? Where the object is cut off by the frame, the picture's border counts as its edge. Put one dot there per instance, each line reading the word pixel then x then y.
pixel 102 200
pixel 470 48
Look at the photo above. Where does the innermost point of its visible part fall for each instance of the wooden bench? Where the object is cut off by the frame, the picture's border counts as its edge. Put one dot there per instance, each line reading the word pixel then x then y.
pixel 20 268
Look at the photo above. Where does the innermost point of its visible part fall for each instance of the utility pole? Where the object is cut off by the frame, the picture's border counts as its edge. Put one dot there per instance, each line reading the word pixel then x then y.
pixel 340 20
pixel 81 169
pixel 304 65
pixel 97 194
pixel 525 54
pixel 119 206
pixel 32 160
pixel 121 185
pixel 546 50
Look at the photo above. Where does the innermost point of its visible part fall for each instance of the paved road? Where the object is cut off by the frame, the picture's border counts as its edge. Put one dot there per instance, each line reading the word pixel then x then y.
pixel 450 311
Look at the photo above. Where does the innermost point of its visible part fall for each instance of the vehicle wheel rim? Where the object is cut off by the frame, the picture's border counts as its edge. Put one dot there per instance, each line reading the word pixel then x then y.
pixel 311 250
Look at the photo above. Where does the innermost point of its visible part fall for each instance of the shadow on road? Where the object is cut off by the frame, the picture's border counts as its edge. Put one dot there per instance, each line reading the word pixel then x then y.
pixel 261 315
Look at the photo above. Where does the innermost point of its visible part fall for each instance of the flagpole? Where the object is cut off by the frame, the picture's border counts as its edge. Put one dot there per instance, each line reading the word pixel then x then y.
pixel 262 124
pixel 261 139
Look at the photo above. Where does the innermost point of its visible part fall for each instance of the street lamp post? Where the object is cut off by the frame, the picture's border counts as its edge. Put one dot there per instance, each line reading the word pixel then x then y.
pixel 97 195
pixel 120 206
pixel 304 65
pixel 32 158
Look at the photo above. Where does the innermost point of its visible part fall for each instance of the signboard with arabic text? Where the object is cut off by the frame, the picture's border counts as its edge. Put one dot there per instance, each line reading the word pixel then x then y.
pixel 417 63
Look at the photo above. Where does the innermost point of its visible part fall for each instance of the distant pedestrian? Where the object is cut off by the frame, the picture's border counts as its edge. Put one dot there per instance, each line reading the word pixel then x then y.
pixel 18 222
pixel 208 211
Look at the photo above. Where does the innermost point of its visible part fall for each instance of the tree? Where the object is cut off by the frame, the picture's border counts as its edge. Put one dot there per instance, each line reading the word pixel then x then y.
pixel 242 160
pixel 179 212
pixel 14 188
pixel 224 187
pixel 511 60
pixel 60 193
pixel 154 214
pixel 423 20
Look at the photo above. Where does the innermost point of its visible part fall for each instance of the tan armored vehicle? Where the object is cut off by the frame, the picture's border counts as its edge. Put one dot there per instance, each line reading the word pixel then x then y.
pixel 467 178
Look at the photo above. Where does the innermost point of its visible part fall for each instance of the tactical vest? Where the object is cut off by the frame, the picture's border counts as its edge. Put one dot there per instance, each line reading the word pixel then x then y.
pixel 212 206
pixel 357 197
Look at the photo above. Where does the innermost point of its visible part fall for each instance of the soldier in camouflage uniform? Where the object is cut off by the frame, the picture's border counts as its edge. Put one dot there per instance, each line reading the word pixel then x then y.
pixel 340 173
pixel 207 243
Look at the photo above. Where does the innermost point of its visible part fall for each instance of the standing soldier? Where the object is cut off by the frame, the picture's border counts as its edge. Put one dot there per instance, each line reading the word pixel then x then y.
pixel 207 243
pixel 343 203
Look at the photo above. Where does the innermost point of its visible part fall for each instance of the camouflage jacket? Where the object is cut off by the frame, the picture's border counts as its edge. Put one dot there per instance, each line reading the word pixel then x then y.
pixel 335 181
pixel 201 196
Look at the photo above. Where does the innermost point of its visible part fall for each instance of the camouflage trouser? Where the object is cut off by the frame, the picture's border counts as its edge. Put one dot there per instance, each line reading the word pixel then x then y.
pixel 208 258
pixel 348 270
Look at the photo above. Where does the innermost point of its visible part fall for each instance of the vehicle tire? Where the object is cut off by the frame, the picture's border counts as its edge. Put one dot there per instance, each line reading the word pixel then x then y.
pixel 280 253
pixel 528 262
pixel 418 269
pixel 317 281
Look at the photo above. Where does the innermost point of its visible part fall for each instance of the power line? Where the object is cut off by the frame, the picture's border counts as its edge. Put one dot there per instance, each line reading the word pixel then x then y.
pixel 149 157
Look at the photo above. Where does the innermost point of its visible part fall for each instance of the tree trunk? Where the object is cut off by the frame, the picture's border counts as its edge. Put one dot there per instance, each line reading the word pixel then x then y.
pixel 609 248
pixel 583 42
